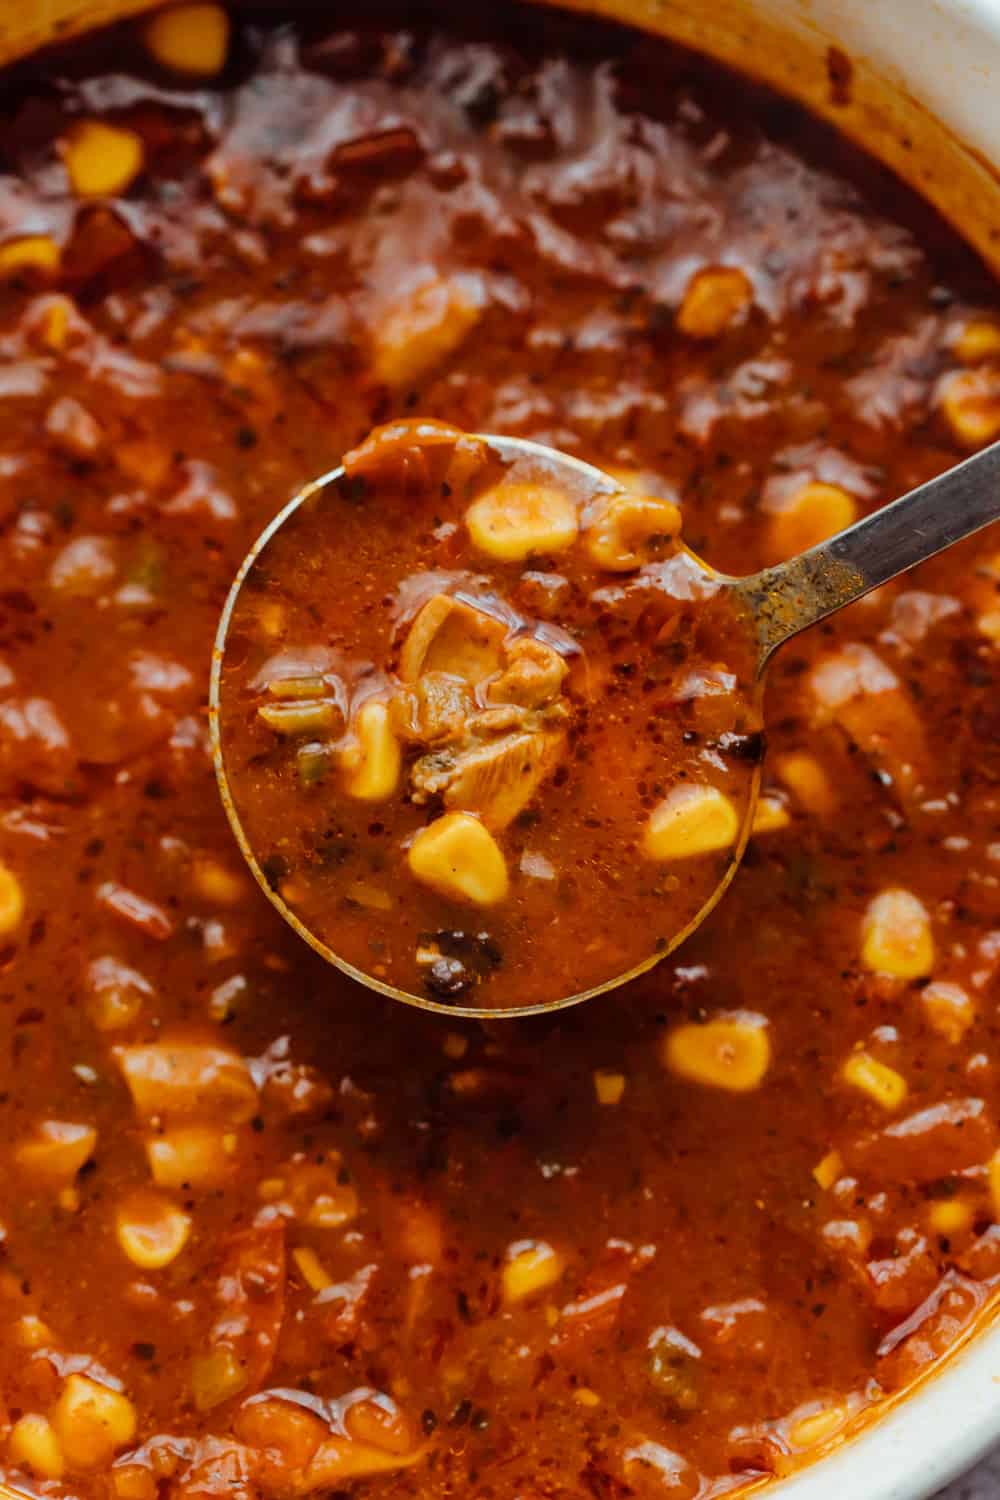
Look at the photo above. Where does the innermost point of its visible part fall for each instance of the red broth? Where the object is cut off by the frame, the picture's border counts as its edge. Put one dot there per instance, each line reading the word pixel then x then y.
pixel 266 1233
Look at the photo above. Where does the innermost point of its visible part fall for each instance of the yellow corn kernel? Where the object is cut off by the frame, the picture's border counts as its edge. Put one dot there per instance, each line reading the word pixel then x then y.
pixel 948 1008
pixel 31 1333
pixel 311 1269
pixel 532 1265
pixel 950 1216
pixel 56 1152
pixel 373 763
pixel 151 1230
pixel 584 1396
pixel 813 513
pixel 189 1156
pixel 189 38
pixel 217 1376
pixel 770 815
pixel 11 901
pixel 817 1426
pixel 690 820
pixel 627 529
pixel 713 302
pixel 993 1173
pixel 459 858
pixel 213 881
pixel 34 1444
pixel 91 1422
pixel 970 402
pixel 896 936
pixel 828 1170
pixel 876 1079
pixel 979 339
pixel 807 781
pixel 32 252
pixel 144 461
pixel 515 521
pixel 56 316
pixel 609 1087
pixel 101 159
pixel 732 1052
pixel 455 1045
pixel 421 330
pixel 988 624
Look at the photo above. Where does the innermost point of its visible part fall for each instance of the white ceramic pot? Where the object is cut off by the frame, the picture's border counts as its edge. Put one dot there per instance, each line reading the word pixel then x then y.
pixel 924 95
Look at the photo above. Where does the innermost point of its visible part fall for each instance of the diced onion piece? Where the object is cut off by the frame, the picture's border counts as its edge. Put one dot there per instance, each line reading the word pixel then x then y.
pixel 950 1216
pixel 531 1266
pixel 373 762
pixel 459 858
pixel 812 514
pixel 731 1052
pixel 896 936
pixel 34 1444
pixel 11 901
pixel 609 1087
pixel 970 402
pixel 151 1230
pixel 627 530
pixel 311 1269
pixel 101 159
pixel 115 993
pixel 32 252
pixel 948 1008
pixel 189 38
pixel 714 301
pixel 978 340
pixel 818 1425
pixel 828 1170
pixel 56 1152
pixel 421 330
pixel 194 1156
pixel 216 1377
pixel 807 781
pixel 690 820
pixel 876 1079
pixel 517 520
pixel 770 815
pixel 92 1422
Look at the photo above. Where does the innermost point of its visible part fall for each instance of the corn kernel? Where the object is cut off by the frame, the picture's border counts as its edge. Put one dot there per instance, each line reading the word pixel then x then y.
pixel 770 815
pixel 56 316
pixel 732 1052
pixel 813 513
pixel 988 624
pixel 584 1396
pixel 311 1269
pixel 373 763
pixel 101 159
pixel 978 340
pixel 34 1444
pixel 609 1087
pixel 31 1333
pixel 455 1045
pixel 970 401
pixel 948 1008
pixel 32 252
pixel 828 1170
pixel 807 781
pixel 421 331
pixel 950 1216
pixel 91 1422
pixel 189 38
pixel 11 901
pixel 626 530
pixel 690 820
pixel 514 521
pixel 151 1230
pixel 714 301
pixel 532 1265
pixel 189 1156
pixel 993 1174
pixel 217 1376
pixel 817 1426
pixel 876 1079
pixel 896 936
pixel 56 1152
pixel 459 858
pixel 214 882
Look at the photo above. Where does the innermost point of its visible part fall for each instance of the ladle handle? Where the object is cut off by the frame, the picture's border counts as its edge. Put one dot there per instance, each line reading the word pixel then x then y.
pixel 798 593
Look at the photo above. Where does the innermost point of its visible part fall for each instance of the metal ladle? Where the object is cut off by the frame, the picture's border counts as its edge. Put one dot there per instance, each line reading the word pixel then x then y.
pixel 781 601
